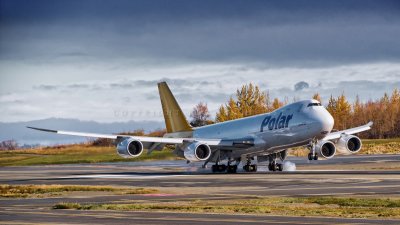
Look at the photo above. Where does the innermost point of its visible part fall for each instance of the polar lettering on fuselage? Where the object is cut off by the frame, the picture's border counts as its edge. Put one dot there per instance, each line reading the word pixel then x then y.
pixel 282 121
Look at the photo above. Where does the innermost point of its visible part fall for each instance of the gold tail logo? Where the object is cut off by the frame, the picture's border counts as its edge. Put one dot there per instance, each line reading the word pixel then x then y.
pixel 175 120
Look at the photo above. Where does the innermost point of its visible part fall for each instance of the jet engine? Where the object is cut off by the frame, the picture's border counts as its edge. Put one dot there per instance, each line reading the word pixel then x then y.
pixel 325 149
pixel 130 148
pixel 197 151
pixel 348 144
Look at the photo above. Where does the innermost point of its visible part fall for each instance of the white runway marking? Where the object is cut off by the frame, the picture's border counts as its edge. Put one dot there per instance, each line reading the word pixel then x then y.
pixel 118 176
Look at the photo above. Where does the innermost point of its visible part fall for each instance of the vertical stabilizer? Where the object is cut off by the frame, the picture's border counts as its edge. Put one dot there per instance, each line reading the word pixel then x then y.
pixel 175 120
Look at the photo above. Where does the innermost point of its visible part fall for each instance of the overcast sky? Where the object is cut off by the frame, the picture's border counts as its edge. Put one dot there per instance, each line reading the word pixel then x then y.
pixel 101 60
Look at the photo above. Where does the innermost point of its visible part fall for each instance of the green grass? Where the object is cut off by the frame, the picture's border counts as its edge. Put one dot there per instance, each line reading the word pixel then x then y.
pixel 73 154
pixel 290 206
pixel 23 191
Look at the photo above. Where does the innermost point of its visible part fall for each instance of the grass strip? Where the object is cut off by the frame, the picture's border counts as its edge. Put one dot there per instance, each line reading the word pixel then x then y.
pixel 290 206
pixel 23 191
pixel 69 154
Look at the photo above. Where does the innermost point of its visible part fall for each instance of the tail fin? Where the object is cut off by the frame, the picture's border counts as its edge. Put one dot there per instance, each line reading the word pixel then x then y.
pixel 175 120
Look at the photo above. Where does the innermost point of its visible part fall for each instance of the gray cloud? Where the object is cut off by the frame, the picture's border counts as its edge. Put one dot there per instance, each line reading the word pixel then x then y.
pixel 364 89
pixel 77 86
pixel 301 85
pixel 46 87
pixel 123 85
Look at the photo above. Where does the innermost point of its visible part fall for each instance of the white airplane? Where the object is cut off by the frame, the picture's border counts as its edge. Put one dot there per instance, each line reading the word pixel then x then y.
pixel 265 137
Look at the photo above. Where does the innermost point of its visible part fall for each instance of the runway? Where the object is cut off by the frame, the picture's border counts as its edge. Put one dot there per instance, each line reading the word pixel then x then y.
pixel 342 176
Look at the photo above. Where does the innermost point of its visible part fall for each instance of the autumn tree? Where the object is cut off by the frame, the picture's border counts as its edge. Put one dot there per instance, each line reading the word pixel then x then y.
pixel 200 115
pixel 340 109
pixel 249 101
pixel 317 97
pixel 276 104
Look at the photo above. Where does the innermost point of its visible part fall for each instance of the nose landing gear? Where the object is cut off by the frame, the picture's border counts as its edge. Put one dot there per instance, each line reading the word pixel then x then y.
pixel 312 155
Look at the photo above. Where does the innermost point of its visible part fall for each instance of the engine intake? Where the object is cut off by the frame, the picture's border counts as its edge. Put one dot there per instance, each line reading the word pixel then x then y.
pixel 325 149
pixel 130 148
pixel 197 152
pixel 349 144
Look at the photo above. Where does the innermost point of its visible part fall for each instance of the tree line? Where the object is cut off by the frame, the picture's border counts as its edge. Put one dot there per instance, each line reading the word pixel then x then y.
pixel 249 100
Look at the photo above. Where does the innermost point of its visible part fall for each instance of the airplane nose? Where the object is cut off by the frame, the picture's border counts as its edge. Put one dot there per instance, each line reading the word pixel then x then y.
pixel 327 122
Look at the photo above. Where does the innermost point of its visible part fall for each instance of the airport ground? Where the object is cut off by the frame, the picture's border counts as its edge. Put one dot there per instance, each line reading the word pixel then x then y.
pixel 358 176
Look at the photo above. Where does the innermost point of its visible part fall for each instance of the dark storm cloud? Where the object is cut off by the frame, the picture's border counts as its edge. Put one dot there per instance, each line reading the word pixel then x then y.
pixel 272 32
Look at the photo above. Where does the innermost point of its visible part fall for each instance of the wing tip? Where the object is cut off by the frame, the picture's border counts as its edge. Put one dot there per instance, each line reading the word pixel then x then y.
pixel 41 129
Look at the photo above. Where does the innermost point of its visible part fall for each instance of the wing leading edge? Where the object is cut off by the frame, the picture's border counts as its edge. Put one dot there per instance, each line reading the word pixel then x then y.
pixel 211 142
pixel 338 134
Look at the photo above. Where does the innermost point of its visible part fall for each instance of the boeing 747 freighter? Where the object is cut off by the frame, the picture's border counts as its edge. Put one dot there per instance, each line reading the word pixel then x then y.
pixel 264 137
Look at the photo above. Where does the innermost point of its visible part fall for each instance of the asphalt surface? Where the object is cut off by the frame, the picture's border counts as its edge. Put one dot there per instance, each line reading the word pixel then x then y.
pixel 355 175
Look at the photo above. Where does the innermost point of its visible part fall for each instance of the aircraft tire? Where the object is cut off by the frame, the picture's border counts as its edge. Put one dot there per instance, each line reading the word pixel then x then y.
pixel 316 157
pixel 310 156
pixel 280 167
pixel 214 168
pixel 231 169
pixel 218 168
pixel 253 168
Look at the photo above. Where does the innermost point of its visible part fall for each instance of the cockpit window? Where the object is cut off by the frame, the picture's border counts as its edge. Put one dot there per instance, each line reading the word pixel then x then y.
pixel 314 104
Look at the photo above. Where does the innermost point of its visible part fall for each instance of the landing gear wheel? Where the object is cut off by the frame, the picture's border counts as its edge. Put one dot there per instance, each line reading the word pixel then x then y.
pixel 310 156
pixel 231 169
pixel 316 157
pixel 214 168
pixel 250 168
pixel 218 168
pixel 280 167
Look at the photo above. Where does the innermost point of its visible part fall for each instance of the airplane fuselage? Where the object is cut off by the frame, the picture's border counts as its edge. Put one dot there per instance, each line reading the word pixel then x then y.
pixel 293 125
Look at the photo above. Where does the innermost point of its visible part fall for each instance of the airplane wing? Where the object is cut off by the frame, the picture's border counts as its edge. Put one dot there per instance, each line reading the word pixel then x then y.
pixel 211 142
pixel 337 134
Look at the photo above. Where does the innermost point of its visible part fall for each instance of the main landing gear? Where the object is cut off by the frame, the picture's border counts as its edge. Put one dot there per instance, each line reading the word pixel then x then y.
pixel 273 165
pixel 220 168
pixel 250 167
pixel 312 156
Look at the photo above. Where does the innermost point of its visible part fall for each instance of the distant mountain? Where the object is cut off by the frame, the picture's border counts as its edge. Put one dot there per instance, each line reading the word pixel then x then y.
pixel 18 131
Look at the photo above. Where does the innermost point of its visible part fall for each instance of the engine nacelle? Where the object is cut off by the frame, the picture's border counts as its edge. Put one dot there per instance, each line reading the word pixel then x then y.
pixel 348 144
pixel 197 151
pixel 326 149
pixel 130 148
